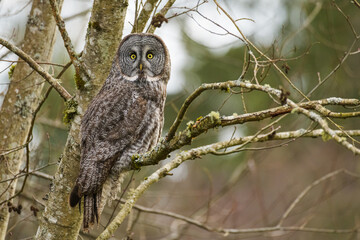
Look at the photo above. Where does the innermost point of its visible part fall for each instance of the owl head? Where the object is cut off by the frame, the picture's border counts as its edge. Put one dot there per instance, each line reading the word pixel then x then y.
pixel 143 56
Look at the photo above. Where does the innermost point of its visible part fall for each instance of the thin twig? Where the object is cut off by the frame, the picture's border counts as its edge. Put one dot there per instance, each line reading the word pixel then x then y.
pixel 67 41
pixel 177 161
pixel 356 3
pixel 144 16
pixel 53 82
pixel 163 12
pixel 223 86
pixel 308 188
pixel 321 82
pixel 260 52
pixel 28 140
pixel 322 122
pixel 310 18
pixel 45 63
pixel 122 194
pixel 4 152
pixel 347 18
pixel 82 13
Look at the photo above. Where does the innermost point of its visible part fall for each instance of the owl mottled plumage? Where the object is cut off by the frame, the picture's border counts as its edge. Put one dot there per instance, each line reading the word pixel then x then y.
pixel 125 118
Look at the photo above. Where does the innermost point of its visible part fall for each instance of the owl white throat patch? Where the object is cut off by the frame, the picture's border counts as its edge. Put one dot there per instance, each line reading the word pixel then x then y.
pixel 138 76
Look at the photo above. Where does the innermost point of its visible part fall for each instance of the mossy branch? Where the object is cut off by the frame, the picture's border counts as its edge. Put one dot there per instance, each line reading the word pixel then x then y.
pixel 264 88
pixel 213 120
pixel 196 153
pixel 11 71
pixel 70 111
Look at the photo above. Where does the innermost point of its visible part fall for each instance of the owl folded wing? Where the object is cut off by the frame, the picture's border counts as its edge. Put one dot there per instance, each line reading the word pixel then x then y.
pixel 109 127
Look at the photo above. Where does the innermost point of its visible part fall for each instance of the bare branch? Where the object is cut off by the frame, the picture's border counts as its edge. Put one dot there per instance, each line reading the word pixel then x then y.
pixel 242 231
pixel 28 140
pixel 321 82
pixel 162 12
pixel 356 3
pixel 260 52
pixel 347 19
pixel 310 18
pixel 79 14
pixel 312 185
pixel 177 161
pixel 332 134
pixel 34 172
pixel 327 113
pixel 144 16
pixel 45 63
pixel 237 83
pixel 213 120
pixel 53 82
pixel 67 42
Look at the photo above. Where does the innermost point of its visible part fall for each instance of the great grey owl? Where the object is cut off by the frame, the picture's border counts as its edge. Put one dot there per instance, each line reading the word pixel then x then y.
pixel 125 118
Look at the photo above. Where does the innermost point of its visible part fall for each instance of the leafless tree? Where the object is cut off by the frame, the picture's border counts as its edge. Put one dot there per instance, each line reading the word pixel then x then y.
pixel 54 219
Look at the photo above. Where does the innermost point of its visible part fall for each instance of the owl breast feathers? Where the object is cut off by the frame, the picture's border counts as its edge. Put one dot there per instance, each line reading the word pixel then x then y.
pixel 125 118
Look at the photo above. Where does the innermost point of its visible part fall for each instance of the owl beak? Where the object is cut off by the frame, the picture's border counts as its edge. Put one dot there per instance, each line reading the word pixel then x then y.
pixel 141 66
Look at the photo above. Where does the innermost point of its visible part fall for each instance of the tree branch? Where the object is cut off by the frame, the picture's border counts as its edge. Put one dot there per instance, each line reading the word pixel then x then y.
pixel 247 85
pixel 244 230
pixel 196 153
pixel 144 16
pixel 260 52
pixel 104 33
pixel 163 12
pixel 52 81
pixel 75 59
pixel 312 185
pixel 343 59
pixel 213 120
pixel 323 123
pixel 202 124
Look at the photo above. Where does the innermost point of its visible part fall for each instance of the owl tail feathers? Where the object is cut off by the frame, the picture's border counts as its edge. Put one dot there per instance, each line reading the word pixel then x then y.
pixel 91 206
pixel 91 210
pixel 75 196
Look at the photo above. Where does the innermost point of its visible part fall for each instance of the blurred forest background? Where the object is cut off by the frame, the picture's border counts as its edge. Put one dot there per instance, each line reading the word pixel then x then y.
pixel 249 189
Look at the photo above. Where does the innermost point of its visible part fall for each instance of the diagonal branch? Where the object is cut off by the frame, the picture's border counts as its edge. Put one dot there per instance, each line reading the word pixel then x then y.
pixel 213 120
pixel 356 3
pixel 53 82
pixel 244 230
pixel 260 52
pixel 337 67
pixel 312 185
pixel 323 123
pixel 28 140
pixel 237 83
pixel 193 154
pixel 211 86
pixel 75 59
pixel 162 12
pixel 144 16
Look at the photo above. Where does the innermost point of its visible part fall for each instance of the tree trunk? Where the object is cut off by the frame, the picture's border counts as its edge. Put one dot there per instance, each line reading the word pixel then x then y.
pixel 22 99
pixel 59 221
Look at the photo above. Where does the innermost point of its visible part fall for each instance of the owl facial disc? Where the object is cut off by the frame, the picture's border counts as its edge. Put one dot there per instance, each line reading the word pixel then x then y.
pixel 142 57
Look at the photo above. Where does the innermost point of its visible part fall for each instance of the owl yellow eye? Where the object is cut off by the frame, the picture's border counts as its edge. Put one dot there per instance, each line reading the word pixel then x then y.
pixel 133 56
pixel 149 55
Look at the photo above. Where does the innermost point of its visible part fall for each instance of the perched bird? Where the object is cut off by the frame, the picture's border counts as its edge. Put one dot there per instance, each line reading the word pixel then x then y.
pixel 125 118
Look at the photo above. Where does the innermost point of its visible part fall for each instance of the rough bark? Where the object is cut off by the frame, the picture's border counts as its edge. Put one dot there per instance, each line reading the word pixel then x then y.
pixel 59 221
pixel 22 98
